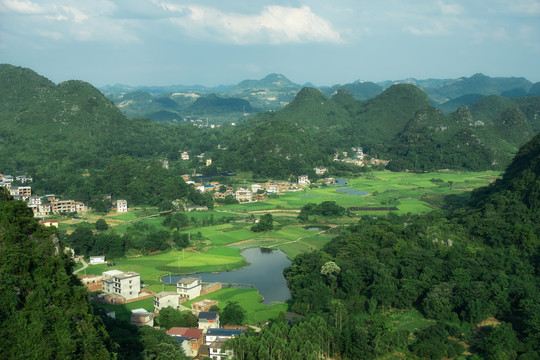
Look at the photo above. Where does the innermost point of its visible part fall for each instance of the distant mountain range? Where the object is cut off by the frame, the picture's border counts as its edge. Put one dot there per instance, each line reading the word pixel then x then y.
pixel 45 127
pixel 174 103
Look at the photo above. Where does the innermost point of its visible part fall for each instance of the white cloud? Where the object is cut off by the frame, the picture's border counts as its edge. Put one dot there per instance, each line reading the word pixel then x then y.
pixel 495 35
pixel 449 9
pixel 274 24
pixel 523 7
pixel 67 20
pixel 433 30
pixel 20 7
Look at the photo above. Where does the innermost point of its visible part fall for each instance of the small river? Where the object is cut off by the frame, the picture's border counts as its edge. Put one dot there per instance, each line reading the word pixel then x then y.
pixel 265 273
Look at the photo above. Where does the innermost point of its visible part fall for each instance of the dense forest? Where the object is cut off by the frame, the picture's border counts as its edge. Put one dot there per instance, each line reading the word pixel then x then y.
pixel 458 268
pixel 472 273
pixel 45 311
pixel 67 135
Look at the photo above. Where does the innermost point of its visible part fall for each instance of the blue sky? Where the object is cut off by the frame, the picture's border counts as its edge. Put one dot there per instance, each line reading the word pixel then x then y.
pixel 212 42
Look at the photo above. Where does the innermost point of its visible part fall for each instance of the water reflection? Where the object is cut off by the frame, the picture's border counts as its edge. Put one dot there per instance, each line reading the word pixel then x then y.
pixel 265 273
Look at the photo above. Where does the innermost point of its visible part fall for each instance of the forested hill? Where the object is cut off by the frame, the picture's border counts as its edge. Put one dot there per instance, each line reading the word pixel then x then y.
pixel 507 212
pixel 468 280
pixel 45 310
pixel 400 125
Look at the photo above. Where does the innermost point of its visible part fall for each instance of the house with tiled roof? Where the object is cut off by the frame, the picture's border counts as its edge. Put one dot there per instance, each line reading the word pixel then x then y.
pixel 166 299
pixel 188 288
pixel 208 320
pixel 213 334
pixel 190 339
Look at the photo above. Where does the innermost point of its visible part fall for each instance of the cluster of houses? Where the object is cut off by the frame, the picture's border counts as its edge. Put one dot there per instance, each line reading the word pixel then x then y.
pixel 49 204
pixel 359 158
pixel 255 192
pixel 120 287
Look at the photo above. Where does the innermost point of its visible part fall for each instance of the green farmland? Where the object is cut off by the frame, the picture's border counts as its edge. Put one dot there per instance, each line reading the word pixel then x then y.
pixel 218 247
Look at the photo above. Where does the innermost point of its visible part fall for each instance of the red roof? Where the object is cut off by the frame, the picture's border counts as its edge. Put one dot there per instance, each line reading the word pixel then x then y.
pixel 177 331
pixel 185 332
pixel 193 333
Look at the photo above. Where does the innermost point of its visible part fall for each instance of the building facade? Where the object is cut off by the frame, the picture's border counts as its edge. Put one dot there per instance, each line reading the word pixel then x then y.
pixel 166 299
pixel 189 288
pixel 125 284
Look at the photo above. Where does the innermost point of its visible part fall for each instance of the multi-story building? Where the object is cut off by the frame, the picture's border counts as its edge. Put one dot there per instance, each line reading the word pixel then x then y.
pixel 256 187
pixel 166 299
pixel 243 195
pixel 125 284
pixel 191 339
pixel 203 305
pixel 121 206
pixel 189 288
pixel 303 180
pixel 141 317
pixel 24 192
pixel 43 210
pixel 63 206
pixel 208 320
pixel 272 188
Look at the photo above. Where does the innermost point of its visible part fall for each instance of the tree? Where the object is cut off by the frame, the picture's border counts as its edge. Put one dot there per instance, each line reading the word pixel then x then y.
pixel 101 225
pixel 232 314
pixel 170 317
pixel 265 224
pixel 82 240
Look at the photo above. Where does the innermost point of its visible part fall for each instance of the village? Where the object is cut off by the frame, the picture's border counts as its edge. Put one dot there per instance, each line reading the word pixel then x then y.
pixel 118 287
pixel 49 204
pixel 115 287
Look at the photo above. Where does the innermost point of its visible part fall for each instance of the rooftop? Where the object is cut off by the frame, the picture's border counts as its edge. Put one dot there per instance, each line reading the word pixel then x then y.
pixel 188 333
pixel 208 315
pixel 188 280
pixel 224 332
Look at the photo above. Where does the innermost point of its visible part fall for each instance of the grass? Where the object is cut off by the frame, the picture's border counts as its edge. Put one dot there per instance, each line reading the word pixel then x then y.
pixel 409 192
pixel 153 267
pixel 123 312
pixel 249 299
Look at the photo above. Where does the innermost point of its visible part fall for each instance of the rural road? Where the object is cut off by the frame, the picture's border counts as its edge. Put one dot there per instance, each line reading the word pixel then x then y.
pixel 85 265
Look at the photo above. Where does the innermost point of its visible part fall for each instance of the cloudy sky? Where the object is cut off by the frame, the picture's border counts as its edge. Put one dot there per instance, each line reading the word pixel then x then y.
pixel 212 42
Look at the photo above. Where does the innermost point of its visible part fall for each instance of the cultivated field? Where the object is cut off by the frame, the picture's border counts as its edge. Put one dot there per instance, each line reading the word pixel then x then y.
pixel 220 246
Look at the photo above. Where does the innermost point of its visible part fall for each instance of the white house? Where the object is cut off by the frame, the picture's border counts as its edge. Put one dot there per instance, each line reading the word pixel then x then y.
pixel 189 288
pixel 166 299
pixel 256 187
pixel 121 206
pixel 214 334
pixel 208 320
pixel 217 351
pixel 243 195
pixel 97 260
pixel 303 180
pixel 125 284
pixel 141 317
pixel 320 170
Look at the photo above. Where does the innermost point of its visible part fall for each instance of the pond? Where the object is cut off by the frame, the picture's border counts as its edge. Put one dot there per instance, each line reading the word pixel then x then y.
pixel 265 273
pixel 340 182
pixel 352 192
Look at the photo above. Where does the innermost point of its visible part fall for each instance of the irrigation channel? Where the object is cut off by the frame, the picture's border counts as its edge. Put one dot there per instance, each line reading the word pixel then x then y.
pixel 265 273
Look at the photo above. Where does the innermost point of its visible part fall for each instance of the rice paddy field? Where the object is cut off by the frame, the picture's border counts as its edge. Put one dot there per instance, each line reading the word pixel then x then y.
pixel 220 248
pixel 409 192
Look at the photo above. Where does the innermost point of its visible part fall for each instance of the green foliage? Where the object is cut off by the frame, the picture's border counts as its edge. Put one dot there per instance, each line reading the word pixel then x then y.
pixel 101 225
pixel 169 317
pixel 45 312
pixel 326 209
pixel 434 342
pixel 266 223
pixel 232 314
